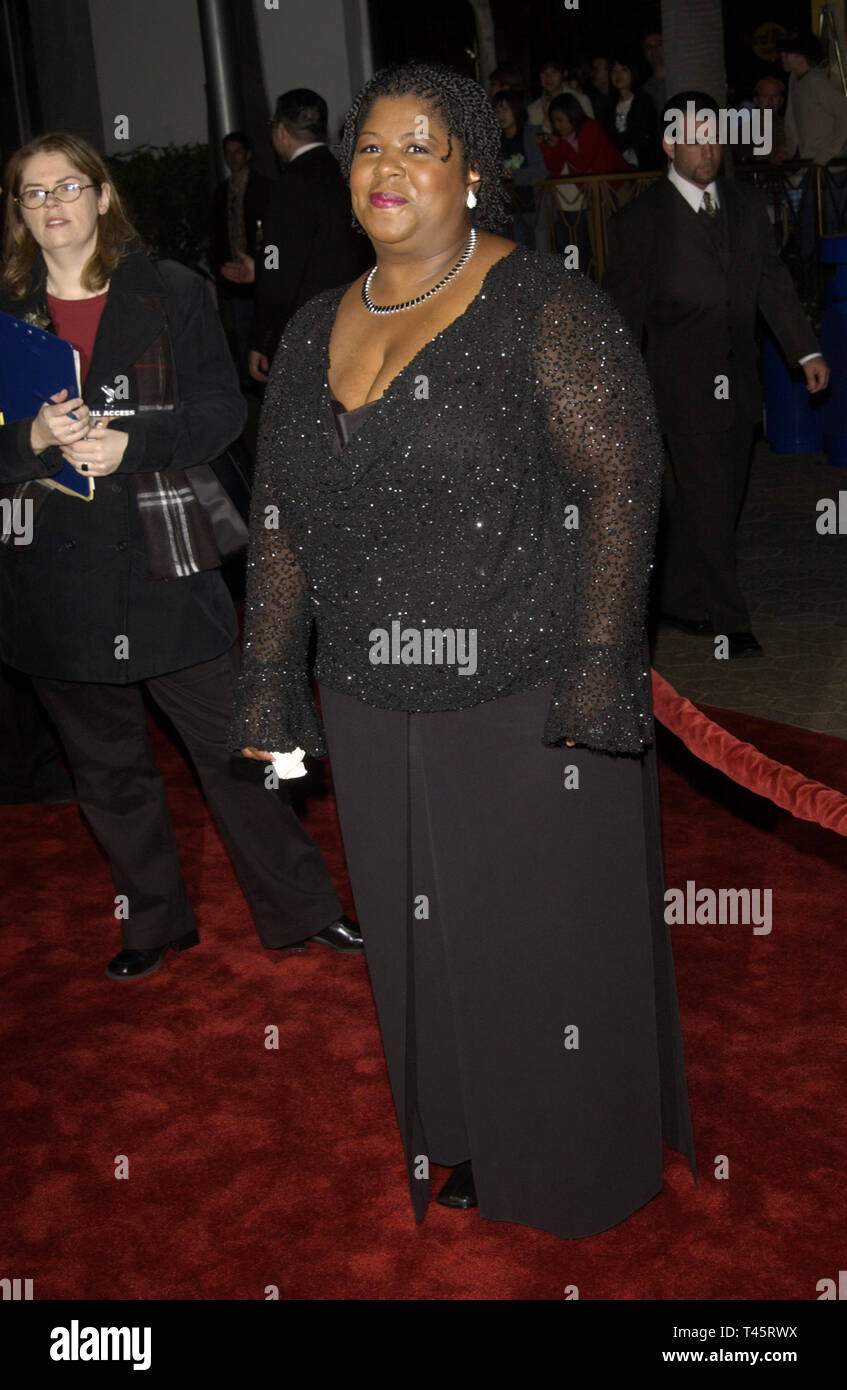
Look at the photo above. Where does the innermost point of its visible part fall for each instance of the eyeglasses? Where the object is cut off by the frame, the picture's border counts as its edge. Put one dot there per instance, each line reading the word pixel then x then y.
pixel 66 193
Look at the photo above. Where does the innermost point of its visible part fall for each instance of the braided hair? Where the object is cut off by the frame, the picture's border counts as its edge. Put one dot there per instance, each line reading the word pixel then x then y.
pixel 467 113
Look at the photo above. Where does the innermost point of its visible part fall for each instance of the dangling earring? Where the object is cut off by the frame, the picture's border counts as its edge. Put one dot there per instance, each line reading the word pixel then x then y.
pixel 470 201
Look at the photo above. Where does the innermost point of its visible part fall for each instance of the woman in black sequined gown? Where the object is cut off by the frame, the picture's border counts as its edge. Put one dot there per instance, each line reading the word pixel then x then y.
pixel 458 481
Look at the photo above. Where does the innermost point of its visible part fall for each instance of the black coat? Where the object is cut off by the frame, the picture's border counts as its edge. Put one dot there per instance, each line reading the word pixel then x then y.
pixel 309 221
pixel 641 132
pixel 69 596
pixel 256 197
pixel 696 295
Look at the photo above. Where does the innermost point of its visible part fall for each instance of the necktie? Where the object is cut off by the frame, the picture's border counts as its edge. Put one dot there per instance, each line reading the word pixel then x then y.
pixel 709 205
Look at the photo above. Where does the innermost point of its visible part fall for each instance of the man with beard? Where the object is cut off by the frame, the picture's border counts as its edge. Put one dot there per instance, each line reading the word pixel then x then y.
pixel 690 263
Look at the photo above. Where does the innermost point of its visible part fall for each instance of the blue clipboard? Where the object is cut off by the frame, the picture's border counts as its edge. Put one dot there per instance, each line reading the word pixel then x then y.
pixel 35 365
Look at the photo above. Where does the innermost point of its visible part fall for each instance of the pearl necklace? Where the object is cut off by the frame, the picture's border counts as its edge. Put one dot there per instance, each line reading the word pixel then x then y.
pixel 395 308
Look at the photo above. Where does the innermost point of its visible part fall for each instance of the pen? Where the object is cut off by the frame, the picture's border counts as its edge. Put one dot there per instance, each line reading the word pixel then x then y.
pixel 48 401
pixel 94 414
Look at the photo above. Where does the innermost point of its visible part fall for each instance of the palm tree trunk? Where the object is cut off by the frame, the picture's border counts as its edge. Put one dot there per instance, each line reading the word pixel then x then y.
pixel 485 45
pixel 692 34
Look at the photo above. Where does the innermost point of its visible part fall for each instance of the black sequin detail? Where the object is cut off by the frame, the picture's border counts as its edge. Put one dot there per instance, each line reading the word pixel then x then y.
pixel 449 508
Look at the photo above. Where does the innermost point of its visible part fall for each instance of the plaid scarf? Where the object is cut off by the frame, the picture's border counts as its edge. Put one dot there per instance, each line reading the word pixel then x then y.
pixel 177 533
pixel 179 538
pixel 179 529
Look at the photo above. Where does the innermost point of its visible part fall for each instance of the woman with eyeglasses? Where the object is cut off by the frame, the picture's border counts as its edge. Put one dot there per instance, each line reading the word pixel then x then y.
pixel 124 590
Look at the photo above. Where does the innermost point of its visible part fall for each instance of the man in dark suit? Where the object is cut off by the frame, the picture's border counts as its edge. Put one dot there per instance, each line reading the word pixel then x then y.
pixel 690 262
pixel 310 242
pixel 237 219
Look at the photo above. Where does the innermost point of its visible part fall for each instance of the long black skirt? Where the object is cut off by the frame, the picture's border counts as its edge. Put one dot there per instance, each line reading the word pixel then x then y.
pixel 520 961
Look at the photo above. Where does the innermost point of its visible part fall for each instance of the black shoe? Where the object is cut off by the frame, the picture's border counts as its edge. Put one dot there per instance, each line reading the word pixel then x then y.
pixel 459 1190
pixel 695 627
pixel 131 965
pixel 743 644
pixel 342 936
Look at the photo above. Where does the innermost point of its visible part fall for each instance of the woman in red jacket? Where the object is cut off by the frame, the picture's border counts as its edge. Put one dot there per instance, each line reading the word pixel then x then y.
pixel 579 145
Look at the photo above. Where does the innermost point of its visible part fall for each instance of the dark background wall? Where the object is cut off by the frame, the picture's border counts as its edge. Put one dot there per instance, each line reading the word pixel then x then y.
pixel 528 30
pixel 48 79
pixel 48 76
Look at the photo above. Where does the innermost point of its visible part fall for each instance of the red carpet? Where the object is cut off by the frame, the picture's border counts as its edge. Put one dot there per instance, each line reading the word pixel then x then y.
pixel 250 1167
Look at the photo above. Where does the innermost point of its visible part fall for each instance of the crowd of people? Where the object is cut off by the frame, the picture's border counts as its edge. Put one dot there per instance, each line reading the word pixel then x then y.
pixel 622 97
pixel 596 118
pixel 412 257
pixel 598 115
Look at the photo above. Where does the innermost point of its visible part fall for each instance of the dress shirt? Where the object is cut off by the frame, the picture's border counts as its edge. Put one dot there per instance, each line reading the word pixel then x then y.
pixel 303 148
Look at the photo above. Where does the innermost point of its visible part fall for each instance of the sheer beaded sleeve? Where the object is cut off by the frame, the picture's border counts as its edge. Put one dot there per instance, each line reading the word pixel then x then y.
pixel 604 432
pixel 274 710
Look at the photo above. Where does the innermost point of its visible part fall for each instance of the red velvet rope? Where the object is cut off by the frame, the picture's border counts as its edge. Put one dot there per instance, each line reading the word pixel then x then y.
pixel 745 764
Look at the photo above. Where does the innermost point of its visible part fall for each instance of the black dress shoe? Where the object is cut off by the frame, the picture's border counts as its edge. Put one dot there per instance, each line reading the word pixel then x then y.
pixel 743 644
pixel 131 965
pixel 695 627
pixel 342 936
pixel 459 1190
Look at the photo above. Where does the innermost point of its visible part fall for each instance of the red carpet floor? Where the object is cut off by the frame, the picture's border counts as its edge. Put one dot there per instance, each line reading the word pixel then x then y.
pixel 251 1167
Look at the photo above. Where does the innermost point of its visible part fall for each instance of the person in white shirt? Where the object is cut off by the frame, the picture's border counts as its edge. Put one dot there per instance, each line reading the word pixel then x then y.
pixel 815 110
pixel 816 129
pixel 554 80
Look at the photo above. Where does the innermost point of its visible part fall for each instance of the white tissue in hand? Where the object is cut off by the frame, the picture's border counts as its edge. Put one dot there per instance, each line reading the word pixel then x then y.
pixel 287 765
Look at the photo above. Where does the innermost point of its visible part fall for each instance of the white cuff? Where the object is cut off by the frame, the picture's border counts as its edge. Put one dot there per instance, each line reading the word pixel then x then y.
pixel 808 357
pixel 288 765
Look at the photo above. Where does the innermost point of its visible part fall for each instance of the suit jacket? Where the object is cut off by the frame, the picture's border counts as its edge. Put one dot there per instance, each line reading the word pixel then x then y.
pixel 83 581
pixel 309 221
pixel 695 298
pixel 256 196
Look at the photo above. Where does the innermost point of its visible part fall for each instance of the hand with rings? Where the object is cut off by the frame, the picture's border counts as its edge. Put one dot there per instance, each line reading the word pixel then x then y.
pixel 100 452
pixel 53 423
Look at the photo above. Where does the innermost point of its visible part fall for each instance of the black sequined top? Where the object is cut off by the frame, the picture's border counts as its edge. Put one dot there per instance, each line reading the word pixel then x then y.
pixel 487 528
